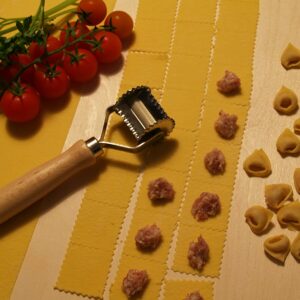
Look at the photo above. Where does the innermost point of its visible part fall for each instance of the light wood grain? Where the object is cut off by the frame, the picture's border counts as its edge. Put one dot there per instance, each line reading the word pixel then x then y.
pixel 246 272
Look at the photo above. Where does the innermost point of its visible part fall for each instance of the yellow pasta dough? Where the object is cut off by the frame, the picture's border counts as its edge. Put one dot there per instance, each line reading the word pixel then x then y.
pixel 297 179
pixel 286 101
pixel 289 216
pixel 257 164
pixel 295 247
pixel 297 126
pixel 288 143
pixel 258 218
pixel 276 195
pixel 290 58
pixel 278 247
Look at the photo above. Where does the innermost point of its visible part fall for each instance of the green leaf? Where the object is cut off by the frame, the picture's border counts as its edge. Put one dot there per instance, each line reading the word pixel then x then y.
pixel 27 22
pixel 20 26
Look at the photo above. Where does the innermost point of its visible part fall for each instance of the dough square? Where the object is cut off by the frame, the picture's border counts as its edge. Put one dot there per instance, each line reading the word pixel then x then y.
pixel 195 188
pixel 211 114
pixel 191 10
pixel 186 72
pixel 215 240
pixel 166 11
pixel 231 153
pixel 178 289
pixel 177 179
pixel 142 218
pixel 98 222
pixel 155 272
pixel 148 31
pixel 196 34
pixel 145 69
pixel 84 270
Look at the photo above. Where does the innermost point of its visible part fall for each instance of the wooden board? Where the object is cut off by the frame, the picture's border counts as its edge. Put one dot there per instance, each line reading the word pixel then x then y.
pixel 246 273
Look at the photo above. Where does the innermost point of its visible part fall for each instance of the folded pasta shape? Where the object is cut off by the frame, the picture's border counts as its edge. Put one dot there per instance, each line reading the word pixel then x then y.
pixel 290 58
pixel 257 164
pixel 297 179
pixel 289 216
pixel 295 247
pixel 286 101
pixel 277 247
pixel 288 143
pixel 276 195
pixel 297 126
pixel 258 218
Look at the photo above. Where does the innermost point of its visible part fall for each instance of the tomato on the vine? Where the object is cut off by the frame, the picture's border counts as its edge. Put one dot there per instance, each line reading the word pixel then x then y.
pixel 35 50
pixel 110 49
pixel 121 22
pixel 92 11
pixel 21 104
pixel 19 61
pixel 81 65
pixel 72 31
pixel 51 82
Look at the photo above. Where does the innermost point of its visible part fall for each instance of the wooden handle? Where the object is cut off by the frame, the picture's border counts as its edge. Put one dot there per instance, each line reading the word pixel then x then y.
pixel 37 183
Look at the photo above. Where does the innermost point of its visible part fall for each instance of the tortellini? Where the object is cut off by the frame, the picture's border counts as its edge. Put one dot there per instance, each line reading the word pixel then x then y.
pixel 277 247
pixel 258 218
pixel 289 216
pixel 290 58
pixel 297 179
pixel 295 248
pixel 288 143
pixel 257 164
pixel 297 126
pixel 276 195
pixel 286 101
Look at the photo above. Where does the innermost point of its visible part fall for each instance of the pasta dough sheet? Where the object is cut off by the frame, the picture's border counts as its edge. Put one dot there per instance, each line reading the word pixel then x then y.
pixel 215 240
pixel 233 51
pixel 182 99
pixel 178 289
pixel 106 200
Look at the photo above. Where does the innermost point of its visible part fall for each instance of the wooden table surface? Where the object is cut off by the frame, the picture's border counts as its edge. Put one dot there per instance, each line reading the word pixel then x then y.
pixel 245 269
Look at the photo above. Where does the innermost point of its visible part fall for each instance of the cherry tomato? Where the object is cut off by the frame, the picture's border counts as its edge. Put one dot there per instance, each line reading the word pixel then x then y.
pixel 81 66
pixel 92 11
pixel 18 61
pixel 22 105
pixel 52 82
pixel 111 47
pixel 35 50
pixel 122 23
pixel 74 31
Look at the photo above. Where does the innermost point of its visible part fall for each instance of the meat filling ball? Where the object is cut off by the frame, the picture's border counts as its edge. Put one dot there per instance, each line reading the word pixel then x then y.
pixel 135 282
pixel 214 162
pixel 194 296
pixel 226 125
pixel 148 237
pixel 198 254
pixel 230 83
pixel 207 205
pixel 160 190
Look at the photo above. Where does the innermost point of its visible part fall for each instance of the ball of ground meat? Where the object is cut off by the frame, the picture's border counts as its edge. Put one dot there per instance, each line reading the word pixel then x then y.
pixel 135 282
pixel 194 296
pixel 207 205
pixel 226 125
pixel 160 190
pixel 148 237
pixel 215 162
pixel 229 83
pixel 198 254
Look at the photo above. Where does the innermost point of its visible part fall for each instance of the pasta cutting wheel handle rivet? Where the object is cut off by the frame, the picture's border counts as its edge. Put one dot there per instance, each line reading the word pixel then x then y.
pixel 139 110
